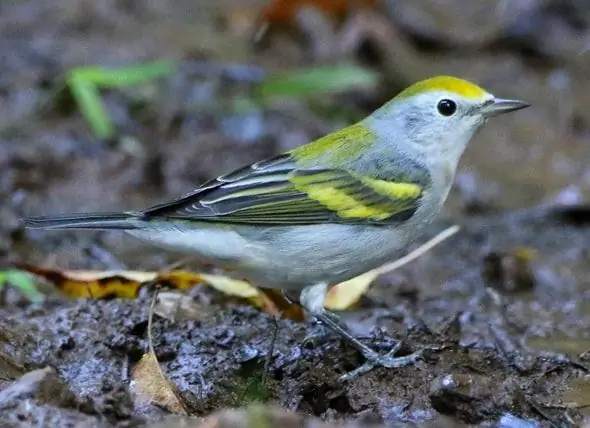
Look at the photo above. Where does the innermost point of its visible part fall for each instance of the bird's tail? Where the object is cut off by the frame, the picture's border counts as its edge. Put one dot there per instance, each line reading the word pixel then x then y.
pixel 121 221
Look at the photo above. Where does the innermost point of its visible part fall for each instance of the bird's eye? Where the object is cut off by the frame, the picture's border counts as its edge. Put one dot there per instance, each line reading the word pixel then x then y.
pixel 446 107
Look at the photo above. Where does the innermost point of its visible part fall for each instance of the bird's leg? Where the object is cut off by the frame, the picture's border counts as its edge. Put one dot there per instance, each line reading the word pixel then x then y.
pixel 326 333
pixel 313 339
pixel 312 298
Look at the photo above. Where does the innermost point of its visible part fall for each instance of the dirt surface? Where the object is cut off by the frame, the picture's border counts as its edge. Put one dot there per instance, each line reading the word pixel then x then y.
pixel 513 329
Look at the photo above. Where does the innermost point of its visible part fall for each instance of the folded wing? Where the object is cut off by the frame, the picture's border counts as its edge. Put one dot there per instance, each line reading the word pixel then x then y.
pixel 276 192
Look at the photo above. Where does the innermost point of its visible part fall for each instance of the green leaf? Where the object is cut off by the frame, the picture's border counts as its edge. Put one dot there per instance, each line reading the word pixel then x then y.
pixel 88 99
pixel 318 80
pixel 84 83
pixel 23 281
pixel 103 77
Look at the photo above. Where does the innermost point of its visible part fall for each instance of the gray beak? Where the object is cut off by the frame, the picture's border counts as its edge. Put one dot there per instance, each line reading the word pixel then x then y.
pixel 501 106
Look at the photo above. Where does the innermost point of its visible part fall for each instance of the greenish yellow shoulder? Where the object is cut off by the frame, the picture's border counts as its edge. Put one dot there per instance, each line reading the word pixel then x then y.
pixel 444 83
pixel 337 147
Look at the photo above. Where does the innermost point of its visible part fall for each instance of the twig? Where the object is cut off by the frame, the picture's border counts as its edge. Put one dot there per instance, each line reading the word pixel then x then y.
pixel 412 255
pixel 105 257
pixel 273 341
pixel 150 318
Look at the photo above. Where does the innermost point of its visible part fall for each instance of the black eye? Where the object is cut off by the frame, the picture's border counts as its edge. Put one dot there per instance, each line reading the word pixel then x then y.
pixel 446 107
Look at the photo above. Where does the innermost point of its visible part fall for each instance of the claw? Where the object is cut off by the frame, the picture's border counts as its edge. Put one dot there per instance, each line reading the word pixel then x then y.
pixel 313 340
pixel 389 361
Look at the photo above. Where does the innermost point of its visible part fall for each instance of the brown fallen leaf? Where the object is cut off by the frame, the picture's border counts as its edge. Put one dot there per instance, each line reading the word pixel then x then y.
pixel 149 385
pixel 283 306
pixel 289 13
pixel 108 284
pixel 176 306
pixel 126 285
pixel 284 11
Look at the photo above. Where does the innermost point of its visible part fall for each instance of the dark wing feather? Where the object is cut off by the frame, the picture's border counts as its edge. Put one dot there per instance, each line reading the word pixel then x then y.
pixel 275 192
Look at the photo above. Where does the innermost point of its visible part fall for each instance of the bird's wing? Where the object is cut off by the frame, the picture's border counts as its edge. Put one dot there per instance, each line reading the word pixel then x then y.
pixel 278 192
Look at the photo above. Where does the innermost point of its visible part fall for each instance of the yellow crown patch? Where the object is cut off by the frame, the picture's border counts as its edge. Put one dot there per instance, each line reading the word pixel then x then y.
pixel 444 83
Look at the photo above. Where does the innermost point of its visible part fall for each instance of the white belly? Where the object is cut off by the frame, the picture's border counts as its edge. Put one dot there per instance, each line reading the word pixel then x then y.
pixel 221 246
pixel 280 257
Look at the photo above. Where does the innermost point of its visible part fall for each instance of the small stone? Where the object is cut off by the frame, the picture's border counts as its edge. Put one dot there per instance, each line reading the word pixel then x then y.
pixel 43 385
pixel 467 397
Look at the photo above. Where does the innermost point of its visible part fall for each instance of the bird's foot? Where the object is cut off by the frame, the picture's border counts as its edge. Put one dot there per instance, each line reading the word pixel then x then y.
pixel 312 299
pixel 388 360
pixel 313 340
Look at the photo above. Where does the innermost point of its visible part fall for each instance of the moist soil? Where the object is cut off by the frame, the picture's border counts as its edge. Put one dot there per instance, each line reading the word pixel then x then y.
pixel 505 302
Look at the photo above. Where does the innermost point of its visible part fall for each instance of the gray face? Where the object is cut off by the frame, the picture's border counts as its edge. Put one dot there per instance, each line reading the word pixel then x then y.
pixel 439 122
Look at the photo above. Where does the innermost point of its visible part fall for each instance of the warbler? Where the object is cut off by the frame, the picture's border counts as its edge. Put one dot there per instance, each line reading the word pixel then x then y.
pixel 329 210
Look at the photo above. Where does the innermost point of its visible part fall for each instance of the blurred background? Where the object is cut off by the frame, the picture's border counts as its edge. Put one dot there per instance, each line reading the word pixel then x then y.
pixel 211 107
pixel 118 105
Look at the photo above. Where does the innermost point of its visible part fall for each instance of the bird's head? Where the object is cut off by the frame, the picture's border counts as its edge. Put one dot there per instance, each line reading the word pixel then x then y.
pixel 439 114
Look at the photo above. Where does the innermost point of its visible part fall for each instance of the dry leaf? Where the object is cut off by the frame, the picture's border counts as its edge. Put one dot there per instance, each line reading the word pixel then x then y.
pixel 283 11
pixel 109 284
pixel 126 285
pixel 148 384
pixel 175 306
pixel 282 306
pixel 233 287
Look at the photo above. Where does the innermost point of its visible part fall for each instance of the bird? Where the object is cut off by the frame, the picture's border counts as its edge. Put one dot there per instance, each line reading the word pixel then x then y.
pixel 327 211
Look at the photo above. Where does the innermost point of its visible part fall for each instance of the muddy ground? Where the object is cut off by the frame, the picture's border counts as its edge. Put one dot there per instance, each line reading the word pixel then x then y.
pixel 519 361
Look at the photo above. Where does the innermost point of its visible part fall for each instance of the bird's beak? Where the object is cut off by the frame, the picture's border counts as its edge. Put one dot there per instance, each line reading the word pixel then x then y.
pixel 501 106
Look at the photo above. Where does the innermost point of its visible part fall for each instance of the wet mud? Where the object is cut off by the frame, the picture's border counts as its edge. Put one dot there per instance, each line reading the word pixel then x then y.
pixel 505 301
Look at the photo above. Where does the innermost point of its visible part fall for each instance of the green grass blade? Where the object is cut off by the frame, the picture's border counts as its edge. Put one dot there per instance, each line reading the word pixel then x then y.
pixel 84 83
pixel 103 77
pixel 88 99
pixel 318 80
pixel 23 281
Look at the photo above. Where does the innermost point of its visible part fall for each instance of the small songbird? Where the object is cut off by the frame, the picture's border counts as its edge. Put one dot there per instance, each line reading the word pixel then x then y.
pixel 327 211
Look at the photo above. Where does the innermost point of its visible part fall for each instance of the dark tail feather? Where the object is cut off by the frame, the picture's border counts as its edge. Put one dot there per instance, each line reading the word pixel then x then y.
pixel 85 221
